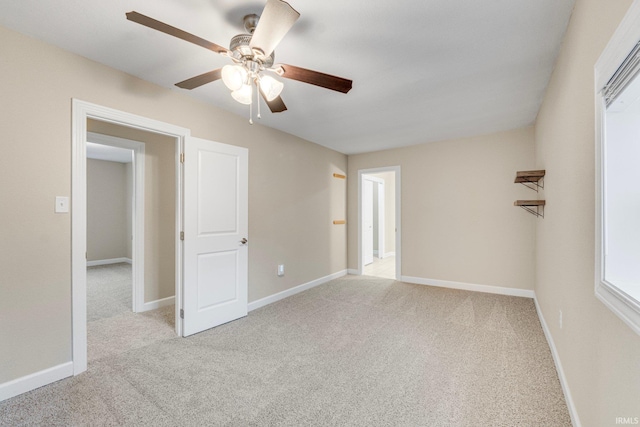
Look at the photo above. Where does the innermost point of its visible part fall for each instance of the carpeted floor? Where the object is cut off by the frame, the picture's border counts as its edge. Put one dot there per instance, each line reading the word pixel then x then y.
pixel 358 351
pixel 108 291
pixel 112 327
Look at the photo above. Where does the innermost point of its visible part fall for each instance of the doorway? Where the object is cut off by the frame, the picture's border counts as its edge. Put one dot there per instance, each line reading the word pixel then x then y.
pixel 379 222
pixel 130 293
pixel 82 113
pixel 115 222
pixel 374 218
pixel 210 250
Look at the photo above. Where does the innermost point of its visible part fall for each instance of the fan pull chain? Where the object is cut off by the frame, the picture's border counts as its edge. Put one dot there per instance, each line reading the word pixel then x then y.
pixel 258 97
pixel 251 111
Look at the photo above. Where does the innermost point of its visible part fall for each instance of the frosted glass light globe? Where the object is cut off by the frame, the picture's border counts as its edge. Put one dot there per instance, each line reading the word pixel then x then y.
pixel 270 87
pixel 234 76
pixel 243 95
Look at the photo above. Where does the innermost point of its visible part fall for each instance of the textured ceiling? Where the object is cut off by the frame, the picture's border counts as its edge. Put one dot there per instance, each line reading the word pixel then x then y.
pixel 423 70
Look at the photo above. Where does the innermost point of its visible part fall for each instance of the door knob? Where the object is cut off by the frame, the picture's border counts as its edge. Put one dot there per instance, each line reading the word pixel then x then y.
pixel 244 241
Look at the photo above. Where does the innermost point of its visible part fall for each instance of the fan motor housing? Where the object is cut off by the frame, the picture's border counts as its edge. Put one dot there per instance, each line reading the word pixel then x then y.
pixel 240 49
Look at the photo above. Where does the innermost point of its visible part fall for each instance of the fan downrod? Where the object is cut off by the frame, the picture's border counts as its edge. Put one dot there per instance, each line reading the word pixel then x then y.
pixel 250 22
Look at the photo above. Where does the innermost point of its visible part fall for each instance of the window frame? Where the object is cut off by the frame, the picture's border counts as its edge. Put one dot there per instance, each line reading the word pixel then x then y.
pixel 622 42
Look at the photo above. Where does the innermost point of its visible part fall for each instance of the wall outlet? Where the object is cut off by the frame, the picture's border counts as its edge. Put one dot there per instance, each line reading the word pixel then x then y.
pixel 281 270
pixel 560 319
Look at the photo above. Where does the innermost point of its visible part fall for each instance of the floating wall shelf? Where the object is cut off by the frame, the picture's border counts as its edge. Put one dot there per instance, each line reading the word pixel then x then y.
pixel 532 179
pixel 529 205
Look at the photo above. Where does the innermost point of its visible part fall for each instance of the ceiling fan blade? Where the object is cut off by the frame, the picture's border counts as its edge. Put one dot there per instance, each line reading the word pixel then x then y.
pixel 276 20
pixel 200 80
pixel 316 78
pixel 276 105
pixel 173 31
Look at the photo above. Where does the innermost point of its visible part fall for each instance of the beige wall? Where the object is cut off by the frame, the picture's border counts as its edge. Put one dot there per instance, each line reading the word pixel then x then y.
pixel 106 210
pixel 293 200
pixel 599 353
pixel 292 195
pixel 458 219
pixel 159 206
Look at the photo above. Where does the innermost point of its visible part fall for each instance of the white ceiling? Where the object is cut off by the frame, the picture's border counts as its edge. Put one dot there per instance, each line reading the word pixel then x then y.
pixel 422 70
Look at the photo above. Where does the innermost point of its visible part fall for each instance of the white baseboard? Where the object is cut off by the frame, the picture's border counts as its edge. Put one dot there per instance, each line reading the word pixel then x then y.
pixel 470 287
pixel 159 303
pixel 35 380
pixel 388 254
pixel 575 420
pixel 108 261
pixel 295 290
pixel 352 271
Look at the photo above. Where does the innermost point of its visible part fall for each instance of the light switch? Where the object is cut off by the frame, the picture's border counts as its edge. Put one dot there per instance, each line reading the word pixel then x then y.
pixel 62 204
pixel 280 269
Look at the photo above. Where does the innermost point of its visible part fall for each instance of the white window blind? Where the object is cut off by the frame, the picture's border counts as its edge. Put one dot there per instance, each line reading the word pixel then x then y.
pixel 623 75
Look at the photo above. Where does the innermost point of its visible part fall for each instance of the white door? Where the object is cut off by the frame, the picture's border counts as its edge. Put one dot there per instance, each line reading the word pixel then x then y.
pixel 367 221
pixel 215 234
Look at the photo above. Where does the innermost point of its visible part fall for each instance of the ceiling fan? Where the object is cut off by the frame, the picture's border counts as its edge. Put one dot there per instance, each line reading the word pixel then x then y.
pixel 253 56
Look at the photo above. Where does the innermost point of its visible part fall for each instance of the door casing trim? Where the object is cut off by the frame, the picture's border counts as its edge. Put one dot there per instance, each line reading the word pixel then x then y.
pixel 80 112
pixel 398 205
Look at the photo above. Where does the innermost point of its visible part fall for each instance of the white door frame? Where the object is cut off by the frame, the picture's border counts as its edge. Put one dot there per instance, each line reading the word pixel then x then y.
pixel 81 111
pixel 137 253
pixel 361 178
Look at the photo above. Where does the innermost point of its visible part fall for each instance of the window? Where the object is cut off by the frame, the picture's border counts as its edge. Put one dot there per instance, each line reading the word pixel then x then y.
pixel 618 172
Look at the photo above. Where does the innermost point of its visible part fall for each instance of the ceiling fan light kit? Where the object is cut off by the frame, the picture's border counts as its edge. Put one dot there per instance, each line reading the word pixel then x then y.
pixel 270 87
pixel 243 95
pixel 252 54
pixel 234 76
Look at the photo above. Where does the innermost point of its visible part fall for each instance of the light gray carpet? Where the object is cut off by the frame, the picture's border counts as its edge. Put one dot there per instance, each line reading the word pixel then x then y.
pixel 112 327
pixel 109 290
pixel 358 351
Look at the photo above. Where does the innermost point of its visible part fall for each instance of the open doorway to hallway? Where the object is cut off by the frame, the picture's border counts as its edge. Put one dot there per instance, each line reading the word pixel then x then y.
pixel 130 278
pixel 110 217
pixel 379 220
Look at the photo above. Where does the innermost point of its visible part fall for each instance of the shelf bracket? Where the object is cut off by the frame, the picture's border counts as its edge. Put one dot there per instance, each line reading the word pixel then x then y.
pixel 534 185
pixel 535 211
pixel 535 207
pixel 531 179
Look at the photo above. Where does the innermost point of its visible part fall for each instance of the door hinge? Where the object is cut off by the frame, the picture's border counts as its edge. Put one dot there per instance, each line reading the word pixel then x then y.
pixel 181 157
pixel 181 313
pixel 182 235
